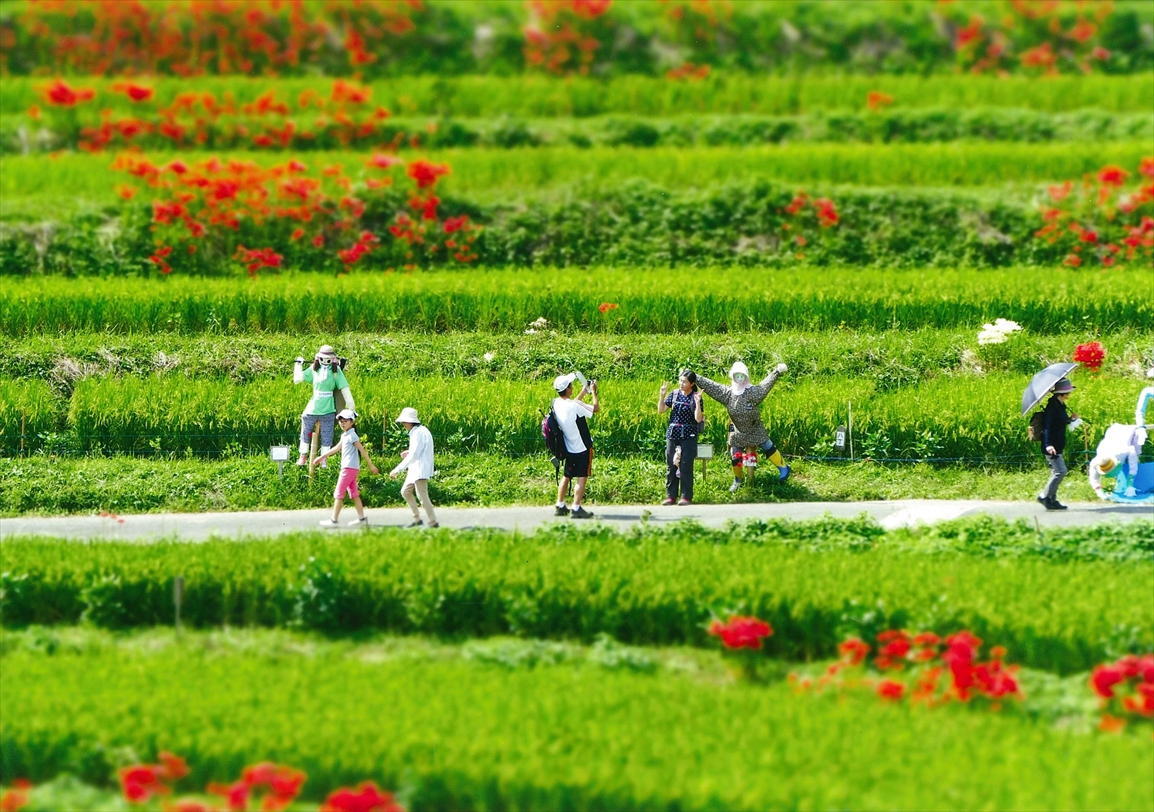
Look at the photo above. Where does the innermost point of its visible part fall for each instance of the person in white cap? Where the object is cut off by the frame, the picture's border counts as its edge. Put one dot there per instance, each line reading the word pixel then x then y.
pixel 418 462
pixel 743 402
pixel 351 453
pixel 326 374
pixel 571 413
pixel 1055 420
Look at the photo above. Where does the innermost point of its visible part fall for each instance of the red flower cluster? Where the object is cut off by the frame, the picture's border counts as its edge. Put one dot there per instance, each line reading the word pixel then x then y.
pixel 876 100
pixel 741 632
pixel 688 72
pixel 803 210
pixel 209 207
pixel 195 37
pixel 1108 216
pixel 1033 35
pixel 16 797
pixel 605 307
pixel 1091 354
pixel 1126 689
pixel 365 798
pixel 342 118
pixel 274 786
pixel 561 36
pixel 141 782
pixel 938 671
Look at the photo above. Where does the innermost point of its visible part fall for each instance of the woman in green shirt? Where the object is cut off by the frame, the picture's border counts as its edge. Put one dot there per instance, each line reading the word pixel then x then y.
pixel 326 374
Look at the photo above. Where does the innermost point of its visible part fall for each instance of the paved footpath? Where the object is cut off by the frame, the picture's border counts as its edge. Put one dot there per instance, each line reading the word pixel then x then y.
pixel 890 514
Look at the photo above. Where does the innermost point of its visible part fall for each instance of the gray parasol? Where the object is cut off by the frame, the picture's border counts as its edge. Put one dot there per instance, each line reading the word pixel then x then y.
pixel 1043 382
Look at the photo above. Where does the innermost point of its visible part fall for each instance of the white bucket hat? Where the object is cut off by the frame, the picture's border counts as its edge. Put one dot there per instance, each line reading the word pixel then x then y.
pixel 738 368
pixel 346 414
pixel 561 382
pixel 326 352
pixel 408 415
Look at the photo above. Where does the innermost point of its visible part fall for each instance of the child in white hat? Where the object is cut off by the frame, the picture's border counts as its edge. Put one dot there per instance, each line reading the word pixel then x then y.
pixel 418 462
pixel 351 453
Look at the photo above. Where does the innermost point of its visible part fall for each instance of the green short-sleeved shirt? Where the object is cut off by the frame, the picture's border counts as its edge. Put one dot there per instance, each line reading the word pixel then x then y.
pixel 325 381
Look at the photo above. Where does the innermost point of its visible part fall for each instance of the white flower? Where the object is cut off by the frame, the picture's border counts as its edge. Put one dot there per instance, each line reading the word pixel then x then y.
pixel 540 324
pixel 489 356
pixel 998 332
pixel 530 331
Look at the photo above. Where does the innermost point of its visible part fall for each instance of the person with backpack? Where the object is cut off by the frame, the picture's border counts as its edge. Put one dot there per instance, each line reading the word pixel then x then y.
pixel 1054 421
pixel 571 413
pixel 686 416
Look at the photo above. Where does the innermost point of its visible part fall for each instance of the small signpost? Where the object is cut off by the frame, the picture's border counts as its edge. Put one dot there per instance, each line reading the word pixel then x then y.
pixel 279 454
pixel 705 454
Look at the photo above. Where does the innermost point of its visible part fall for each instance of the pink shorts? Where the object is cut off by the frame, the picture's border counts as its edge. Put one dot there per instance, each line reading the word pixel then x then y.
pixel 347 483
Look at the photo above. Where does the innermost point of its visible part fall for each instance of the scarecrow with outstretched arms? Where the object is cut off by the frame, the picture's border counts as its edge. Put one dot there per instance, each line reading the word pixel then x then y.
pixel 326 374
pixel 742 400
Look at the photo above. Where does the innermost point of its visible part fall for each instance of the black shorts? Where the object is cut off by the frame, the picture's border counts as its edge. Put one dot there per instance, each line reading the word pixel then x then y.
pixel 578 464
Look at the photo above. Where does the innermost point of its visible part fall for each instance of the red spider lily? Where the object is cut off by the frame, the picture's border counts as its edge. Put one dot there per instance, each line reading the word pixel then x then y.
pixel 1090 354
pixel 1126 690
pixel 876 100
pixel 688 72
pixel 141 782
pixel 853 650
pixel 890 690
pixel 187 805
pixel 969 34
pixel 257 258
pixel 1061 191
pixel 382 161
pixel 741 632
pixel 137 93
pixel 1112 175
pixel 605 307
pixel 62 95
pixel 826 212
pixel 16 797
pixel 426 174
pixel 1082 31
pixel 454 224
pixel 367 797
pixel 235 795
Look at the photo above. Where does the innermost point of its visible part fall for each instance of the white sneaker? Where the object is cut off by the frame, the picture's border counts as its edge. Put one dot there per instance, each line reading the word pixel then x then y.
pixel 736 486
pixel 302 460
pixel 359 522
pixel 328 523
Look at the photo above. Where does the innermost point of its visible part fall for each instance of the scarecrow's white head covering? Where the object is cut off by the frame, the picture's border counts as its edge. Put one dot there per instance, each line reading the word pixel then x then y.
pixel 739 374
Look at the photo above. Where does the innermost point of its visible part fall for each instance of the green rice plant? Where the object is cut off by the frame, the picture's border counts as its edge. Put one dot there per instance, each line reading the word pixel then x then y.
pixel 813 582
pixel 728 93
pixel 888 358
pixel 668 301
pixel 31 416
pixel 78 183
pixel 440 732
pixel 948 418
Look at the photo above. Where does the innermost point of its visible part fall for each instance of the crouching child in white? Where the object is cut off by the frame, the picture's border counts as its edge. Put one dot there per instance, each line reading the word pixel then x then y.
pixel 351 453
pixel 418 462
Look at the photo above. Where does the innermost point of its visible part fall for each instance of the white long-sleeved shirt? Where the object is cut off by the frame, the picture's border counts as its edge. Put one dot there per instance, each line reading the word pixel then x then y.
pixel 419 461
pixel 1118 444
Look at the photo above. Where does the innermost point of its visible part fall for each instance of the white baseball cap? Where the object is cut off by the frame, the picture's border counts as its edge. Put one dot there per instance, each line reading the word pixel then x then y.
pixel 408 415
pixel 561 382
pixel 346 414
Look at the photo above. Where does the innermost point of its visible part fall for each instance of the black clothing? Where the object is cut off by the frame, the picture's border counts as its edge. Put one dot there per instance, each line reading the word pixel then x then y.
pixel 1054 421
